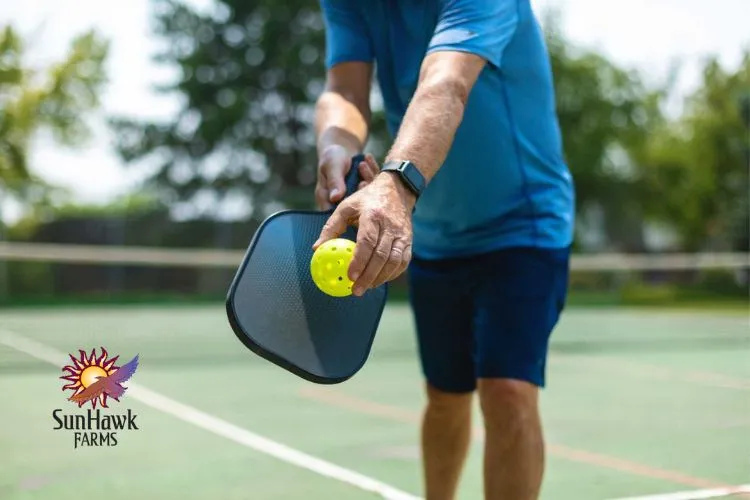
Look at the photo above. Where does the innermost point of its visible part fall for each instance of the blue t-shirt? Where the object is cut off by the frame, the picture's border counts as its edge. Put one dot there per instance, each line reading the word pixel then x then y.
pixel 505 182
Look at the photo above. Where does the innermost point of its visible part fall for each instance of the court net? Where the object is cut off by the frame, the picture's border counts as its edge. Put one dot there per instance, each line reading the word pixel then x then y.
pixel 68 272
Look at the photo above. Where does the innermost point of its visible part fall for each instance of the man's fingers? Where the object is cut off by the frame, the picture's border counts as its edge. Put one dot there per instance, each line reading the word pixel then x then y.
pixel 404 265
pixel 378 259
pixel 332 179
pixel 368 235
pixel 365 173
pixel 393 267
pixel 368 170
pixel 372 164
pixel 407 258
pixel 321 198
pixel 336 189
pixel 336 224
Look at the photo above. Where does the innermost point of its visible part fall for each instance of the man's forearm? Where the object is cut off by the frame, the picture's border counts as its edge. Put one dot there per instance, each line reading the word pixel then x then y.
pixel 436 110
pixel 429 126
pixel 338 121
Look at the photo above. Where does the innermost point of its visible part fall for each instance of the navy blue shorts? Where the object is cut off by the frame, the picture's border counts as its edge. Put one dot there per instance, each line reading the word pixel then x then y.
pixel 487 316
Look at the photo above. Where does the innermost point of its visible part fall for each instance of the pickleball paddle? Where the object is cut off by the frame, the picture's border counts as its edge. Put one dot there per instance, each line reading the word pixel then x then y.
pixel 278 312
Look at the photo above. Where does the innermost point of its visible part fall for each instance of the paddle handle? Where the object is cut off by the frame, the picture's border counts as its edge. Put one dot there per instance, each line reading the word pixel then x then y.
pixel 352 177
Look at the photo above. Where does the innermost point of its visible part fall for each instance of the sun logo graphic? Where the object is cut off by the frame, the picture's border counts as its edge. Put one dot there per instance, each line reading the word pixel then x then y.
pixel 94 378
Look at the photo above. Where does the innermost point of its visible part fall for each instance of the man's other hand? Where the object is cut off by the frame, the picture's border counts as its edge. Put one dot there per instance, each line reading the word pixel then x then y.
pixel 333 166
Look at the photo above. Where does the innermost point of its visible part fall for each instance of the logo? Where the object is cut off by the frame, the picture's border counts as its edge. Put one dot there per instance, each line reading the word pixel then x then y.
pixel 95 379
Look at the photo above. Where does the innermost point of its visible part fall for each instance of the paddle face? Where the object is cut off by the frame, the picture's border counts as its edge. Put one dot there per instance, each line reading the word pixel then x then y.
pixel 278 312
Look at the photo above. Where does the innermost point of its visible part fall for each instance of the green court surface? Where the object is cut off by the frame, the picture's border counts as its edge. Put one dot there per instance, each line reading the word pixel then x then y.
pixel 639 402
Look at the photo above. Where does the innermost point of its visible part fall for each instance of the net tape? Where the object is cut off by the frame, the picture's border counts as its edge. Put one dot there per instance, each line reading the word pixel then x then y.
pixel 149 256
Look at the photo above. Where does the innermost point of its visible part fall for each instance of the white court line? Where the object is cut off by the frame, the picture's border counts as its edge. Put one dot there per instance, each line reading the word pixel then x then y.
pixel 696 494
pixel 218 426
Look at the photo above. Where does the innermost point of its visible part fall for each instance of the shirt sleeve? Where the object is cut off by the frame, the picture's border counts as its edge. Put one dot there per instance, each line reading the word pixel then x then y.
pixel 481 27
pixel 346 33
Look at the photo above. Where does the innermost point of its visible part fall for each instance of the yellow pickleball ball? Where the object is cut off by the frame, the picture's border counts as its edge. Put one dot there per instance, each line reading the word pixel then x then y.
pixel 330 266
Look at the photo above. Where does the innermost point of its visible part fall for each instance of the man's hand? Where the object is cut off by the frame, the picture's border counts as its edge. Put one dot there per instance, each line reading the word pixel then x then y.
pixel 382 210
pixel 333 166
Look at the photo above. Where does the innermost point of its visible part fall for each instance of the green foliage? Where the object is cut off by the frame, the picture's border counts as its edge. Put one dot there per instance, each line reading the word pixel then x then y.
pixel 636 292
pixel 605 114
pixel 54 99
pixel 696 168
pixel 250 74
pixel 30 278
pixel 124 206
pixel 128 206
pixel 707 286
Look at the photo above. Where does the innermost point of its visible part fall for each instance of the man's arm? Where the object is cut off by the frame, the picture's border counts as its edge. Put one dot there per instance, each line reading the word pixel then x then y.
pixel 342 118
pixel 436 110
pixel 342 114
pixel 470 34
pixel 384 239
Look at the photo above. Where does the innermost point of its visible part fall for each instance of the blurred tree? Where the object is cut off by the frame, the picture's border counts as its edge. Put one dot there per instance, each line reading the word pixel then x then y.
pixel 53 99
pixel 605 114
pixel 696 167
pixel 250 72
pixel 32 100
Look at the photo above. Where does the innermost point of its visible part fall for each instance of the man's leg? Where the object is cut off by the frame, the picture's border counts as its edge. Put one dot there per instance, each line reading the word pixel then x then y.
pixel 517 303
pixel 514 447
pixel 443 318
pixel 446 433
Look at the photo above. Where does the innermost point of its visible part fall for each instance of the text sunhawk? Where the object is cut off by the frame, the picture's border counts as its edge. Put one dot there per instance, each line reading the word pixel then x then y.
pixel 94 420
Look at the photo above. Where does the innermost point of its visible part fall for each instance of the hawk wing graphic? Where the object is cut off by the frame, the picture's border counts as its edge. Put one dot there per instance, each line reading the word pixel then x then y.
pixel 91 392
pixel 125 371
pixel 114 388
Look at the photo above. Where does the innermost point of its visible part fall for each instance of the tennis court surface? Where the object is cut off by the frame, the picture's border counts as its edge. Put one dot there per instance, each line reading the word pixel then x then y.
pixel 640 402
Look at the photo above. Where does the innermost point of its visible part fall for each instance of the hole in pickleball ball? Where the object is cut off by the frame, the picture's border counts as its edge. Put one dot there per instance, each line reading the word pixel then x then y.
pixel 333 249
pixel 341 279
pixel 348 249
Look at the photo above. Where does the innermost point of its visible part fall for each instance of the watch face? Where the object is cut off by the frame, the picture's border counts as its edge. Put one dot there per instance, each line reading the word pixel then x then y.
pixel 415 178
pixel 409 174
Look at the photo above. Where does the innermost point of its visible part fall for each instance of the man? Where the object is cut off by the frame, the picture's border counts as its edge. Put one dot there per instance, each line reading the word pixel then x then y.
pixel 476 190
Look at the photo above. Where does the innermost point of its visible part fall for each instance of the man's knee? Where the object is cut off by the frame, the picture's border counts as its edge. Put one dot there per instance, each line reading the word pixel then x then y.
pixel 508 404
pixel 447 403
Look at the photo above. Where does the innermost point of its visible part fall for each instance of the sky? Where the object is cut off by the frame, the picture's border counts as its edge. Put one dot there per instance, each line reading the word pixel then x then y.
pixel 647 35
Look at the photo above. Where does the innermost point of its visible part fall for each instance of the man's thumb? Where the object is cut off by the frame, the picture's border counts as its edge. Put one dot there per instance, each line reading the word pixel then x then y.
pixel 335 181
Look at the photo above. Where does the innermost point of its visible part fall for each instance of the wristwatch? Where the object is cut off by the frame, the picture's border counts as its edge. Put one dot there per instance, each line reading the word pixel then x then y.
pixel 409 174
